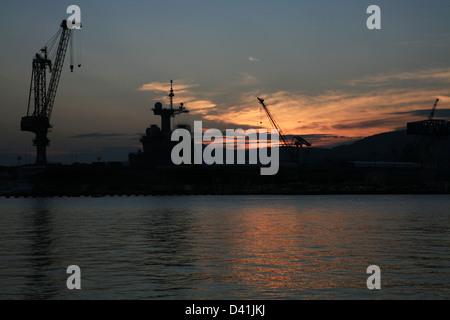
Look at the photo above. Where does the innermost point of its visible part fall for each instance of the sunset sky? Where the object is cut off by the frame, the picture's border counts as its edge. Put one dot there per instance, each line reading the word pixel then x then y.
pixel 322 72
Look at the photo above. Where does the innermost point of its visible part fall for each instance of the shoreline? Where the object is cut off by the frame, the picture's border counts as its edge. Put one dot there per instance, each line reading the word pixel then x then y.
pixel 212 193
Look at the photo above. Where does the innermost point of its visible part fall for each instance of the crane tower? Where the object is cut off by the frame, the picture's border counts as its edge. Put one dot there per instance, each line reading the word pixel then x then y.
pixel 42 97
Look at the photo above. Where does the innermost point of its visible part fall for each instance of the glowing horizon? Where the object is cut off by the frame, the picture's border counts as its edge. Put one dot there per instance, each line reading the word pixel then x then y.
pixel 334 115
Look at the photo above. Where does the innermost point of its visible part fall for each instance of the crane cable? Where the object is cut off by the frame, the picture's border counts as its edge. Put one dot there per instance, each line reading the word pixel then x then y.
pixel 75 54
pixel 260 115
pixel 71 51
pixel 79 48
pixel 51 46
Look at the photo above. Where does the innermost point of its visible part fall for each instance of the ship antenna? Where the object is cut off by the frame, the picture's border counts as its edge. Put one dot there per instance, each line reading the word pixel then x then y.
pixel 171 95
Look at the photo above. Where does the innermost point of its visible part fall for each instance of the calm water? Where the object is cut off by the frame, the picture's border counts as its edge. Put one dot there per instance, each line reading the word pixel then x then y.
pixel 226 247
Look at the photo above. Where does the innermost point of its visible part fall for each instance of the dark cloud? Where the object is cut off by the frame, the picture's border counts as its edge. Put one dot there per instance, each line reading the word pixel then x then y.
pixel 425 113
pixel 7 150
pixel 366 124
pixel 422 113
pixel 325 136
pixel 98 135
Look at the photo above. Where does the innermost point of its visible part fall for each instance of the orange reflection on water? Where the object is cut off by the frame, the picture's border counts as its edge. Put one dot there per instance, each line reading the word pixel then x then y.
pixel 273 251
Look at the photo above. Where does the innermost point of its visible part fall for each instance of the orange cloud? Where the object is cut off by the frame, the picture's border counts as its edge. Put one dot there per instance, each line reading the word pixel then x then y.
pixel 183 94
pixel 180 86
pixel 333 113
pixel 362 109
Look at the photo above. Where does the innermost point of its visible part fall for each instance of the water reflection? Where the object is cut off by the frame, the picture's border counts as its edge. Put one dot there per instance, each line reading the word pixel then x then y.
pixel 169 266
pixel 275 253
pixel 39 284
pixel 225 247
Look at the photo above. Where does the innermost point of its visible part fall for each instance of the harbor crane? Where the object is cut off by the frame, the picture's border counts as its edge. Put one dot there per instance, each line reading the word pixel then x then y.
pixel 431 126
pixel 42 97
pixel 433 110
pixel 296 140
pixel 429 132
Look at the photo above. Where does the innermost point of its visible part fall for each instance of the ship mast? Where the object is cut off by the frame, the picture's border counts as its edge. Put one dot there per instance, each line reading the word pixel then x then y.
pixel 171 94
pixel 167 113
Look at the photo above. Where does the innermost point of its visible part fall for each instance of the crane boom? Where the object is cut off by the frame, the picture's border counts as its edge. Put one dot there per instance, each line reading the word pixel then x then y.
pixel 41 98
pixel 298 141
pixel 433 110
pixel 273 121
pixel 57 67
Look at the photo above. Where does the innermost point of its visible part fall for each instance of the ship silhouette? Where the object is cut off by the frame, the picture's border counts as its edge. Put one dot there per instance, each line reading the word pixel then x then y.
pixel 156 143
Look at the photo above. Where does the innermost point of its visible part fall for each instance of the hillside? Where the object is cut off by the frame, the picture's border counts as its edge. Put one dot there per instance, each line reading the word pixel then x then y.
pixel 389 146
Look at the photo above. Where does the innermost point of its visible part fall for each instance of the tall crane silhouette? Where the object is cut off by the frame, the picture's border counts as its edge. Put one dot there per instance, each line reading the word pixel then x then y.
pixel 296 141
pixel 41 98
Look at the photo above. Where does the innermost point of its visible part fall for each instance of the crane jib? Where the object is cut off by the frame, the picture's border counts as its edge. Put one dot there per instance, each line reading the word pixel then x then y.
pixel 297 140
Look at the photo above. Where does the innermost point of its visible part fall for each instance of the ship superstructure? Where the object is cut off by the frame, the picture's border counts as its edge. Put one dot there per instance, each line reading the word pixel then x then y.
pixel 156 143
